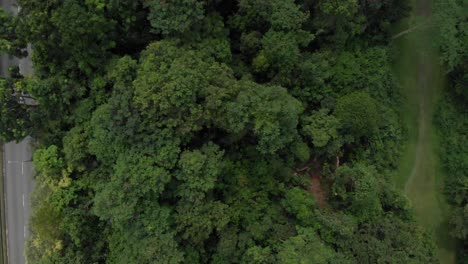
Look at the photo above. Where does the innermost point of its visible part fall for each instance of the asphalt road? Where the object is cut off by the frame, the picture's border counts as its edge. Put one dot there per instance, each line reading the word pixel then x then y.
pixel 18 186
pixel 18 171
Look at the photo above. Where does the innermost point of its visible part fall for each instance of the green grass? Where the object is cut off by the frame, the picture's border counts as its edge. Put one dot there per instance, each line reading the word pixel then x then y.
pixel 405 71
pixel 446 244
pixel 420 75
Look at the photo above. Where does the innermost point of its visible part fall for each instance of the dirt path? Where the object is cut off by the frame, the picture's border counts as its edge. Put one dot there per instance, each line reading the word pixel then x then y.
pixel 420 74
pixel 316 189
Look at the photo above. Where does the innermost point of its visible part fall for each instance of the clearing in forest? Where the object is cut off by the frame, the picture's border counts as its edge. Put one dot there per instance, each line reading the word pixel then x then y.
pixel 420 75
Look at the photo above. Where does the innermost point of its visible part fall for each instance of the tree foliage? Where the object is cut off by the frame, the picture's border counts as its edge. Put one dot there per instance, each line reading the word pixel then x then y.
pixel 15 122
pixel 358 113
pixel 184 131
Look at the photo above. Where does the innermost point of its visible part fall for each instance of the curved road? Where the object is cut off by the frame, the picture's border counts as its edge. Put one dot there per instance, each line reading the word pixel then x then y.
pixel 18 171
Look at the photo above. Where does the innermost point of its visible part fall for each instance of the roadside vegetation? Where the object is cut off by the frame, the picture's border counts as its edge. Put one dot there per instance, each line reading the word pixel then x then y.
pixel 178 132
pixel 451 117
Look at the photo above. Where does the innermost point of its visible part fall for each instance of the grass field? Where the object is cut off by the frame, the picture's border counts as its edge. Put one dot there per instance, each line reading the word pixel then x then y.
pixel 419 72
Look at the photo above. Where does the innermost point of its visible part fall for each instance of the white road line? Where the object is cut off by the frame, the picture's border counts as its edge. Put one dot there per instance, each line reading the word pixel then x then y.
pixel 24 231
pixel 22 168
pixel 23 200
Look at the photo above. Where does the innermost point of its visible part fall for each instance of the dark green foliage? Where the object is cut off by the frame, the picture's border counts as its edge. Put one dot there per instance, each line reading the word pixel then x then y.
pixel 321 129
pixel 452 126
pixel 452 23
pixel 183 131
pixel 358 114
pixel 267 111
pixel 459 223
pixel 387 238
pixel 81 34
pixel 306 247
pixel 149 242
pixel 174 16
pixel 452 26
pixel 357 190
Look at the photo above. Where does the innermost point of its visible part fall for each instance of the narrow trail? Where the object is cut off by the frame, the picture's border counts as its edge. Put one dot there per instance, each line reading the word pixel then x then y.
pixel 422 159
pixel 421 77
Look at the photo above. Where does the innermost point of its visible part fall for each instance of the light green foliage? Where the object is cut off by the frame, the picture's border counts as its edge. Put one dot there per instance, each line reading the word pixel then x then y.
pixel 311 85
pixel 301 151
pixel 286 15
pixel 270 111
pixel 101 125
pixel 135 176
pixel 299 203
pixel 368 70
pixel 344 8
pixel 257 255
pixel 122 71
pixel 147 242
pixel 336 226
pixel 260 63
pixel 49 164
pixel 357 113
pixel 14 116
pixel 10 42
pixel 199 170
pixel 280 24
pixel 46 221
pixel 281 50
pixel 174 16
pixel 197 221
pixel 304 248
pixel 75 147
pixel 171 82
pixel 279 14
pixel 321 129
pixel 5 21
pixel 114 121
pixel 211 38
pixel 47 234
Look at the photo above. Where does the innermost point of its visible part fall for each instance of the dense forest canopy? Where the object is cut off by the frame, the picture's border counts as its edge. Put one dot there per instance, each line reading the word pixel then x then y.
pixel 216 131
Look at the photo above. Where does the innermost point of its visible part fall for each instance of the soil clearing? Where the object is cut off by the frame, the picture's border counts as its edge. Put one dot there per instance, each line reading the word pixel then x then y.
pixel 315 188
